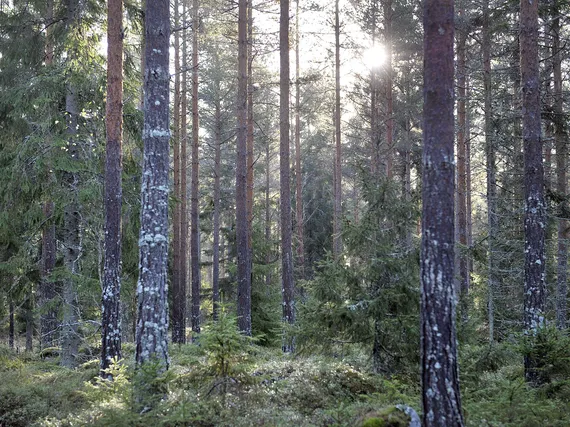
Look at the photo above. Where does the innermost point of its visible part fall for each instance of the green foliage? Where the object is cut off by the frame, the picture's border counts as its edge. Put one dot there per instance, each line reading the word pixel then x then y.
pixel 373 288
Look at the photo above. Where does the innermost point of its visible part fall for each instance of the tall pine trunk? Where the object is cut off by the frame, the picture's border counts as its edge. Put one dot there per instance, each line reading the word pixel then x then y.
pixel 47 288
pixel 152 320
pixel 216 229
pixel 387 10
pixel 534 207
pixel 284 174
pixel 440 376
pixel 178 298
pixel 111 304
pixel 492 223
pixel 194 214
pixel 71 219
pixel 337 211
pixel 561 141
pixel 298 171
pixel 242 229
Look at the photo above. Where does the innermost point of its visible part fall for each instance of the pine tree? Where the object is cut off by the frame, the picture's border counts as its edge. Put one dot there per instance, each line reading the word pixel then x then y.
pixel 111 304
pixel 152 320
pixel 440 377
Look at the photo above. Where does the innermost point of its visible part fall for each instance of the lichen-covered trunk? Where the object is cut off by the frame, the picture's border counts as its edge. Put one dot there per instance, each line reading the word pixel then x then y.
pixel 194 207
pixel 287 288
pixel 461 168
pixel 337 210
pixel 178 318
pixel 440 376
pixel 561 141
pixel 152 319
pixel 111 301
pixel 242 229
pixel 534 205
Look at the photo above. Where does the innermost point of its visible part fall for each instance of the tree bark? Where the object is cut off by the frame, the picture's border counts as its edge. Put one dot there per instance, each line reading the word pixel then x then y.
pixel 298 170
pixel 534 208
pixel 249 144
pixel 11 323
pixel 285 184
pixel 178 298
pixel 561 141
pixel 71 219
pixel 440 376
pixel 111 300
pixel 152 320
pixel 216 230
pixel 387 9
pixel 492 223
pixel 337 211
pixel 194 214
pixel 242 229
pixel 48 288
pixel 461 164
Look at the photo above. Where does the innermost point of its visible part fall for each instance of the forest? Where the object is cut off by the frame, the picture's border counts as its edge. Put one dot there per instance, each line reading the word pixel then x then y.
pixel 326 213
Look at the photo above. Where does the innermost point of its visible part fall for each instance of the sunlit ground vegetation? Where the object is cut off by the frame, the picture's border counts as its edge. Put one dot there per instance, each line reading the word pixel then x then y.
pixel 228 380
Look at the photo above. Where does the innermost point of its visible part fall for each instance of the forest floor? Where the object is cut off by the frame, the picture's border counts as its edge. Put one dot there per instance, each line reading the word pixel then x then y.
pixel 260 386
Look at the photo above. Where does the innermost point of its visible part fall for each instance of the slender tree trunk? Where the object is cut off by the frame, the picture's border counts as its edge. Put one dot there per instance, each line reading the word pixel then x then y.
pixel 11 323
pixel 250 128
pixel 387 6
pixel 374 133
pixel 111 301
pixel 440 376
pixel 71 218
pixel 285 184
pixel 183 261
pixel 178 299
pixel 337 212
pixel 535 208
pixel 242 229
pixel 194 214
pixel 47 289
pixel 29 323
pixel 461 166
pixel 152 321
pixel 298 171
pixel 216 231
pixel 561 141
pixel 491 173
pixel 267 209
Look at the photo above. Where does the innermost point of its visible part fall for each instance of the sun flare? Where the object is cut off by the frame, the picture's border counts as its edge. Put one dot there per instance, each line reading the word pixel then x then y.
pixel 374 57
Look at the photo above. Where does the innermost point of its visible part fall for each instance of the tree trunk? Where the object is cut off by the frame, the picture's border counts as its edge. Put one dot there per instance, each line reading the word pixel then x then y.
pixel 461 165
pixel 285 184
pixel 178 299
pixel 387 9
pixel 152 321
pixel 111 301
pixel 194 214
pixel 71 219
pixel 561 141
pixel 249 144
pixel 337 212
pixel 29 323
pixel 242 229
pixel 267 210
pixel 47 288
pixel 535 208
pixel 216 230
pixel 11 323
pixel 183 215
pixel 491 173
pixel 440 376
pixel 298 171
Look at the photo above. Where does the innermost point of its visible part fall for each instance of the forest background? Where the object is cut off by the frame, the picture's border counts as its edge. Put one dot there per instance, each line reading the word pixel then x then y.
pixel 294 260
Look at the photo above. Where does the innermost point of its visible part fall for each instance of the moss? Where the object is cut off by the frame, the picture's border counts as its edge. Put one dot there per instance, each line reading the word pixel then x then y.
pixel 388 417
